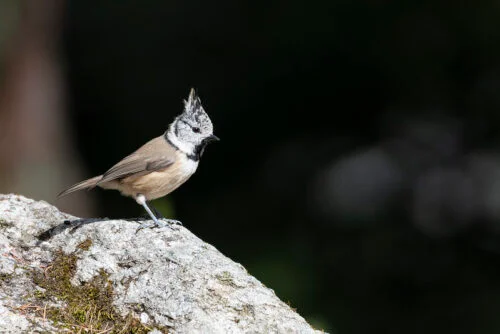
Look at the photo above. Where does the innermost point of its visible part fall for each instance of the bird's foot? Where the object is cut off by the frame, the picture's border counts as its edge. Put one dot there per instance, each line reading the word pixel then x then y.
pixel 172 221
pixel 159 223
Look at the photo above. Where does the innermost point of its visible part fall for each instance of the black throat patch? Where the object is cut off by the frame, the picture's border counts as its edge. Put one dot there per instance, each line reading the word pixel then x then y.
pixel 198 151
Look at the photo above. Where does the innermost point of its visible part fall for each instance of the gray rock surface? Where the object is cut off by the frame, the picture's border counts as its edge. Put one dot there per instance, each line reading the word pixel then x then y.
pixel 166 278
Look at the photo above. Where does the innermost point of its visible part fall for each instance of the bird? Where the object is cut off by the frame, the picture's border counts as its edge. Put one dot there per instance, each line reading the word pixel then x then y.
pixel 162 164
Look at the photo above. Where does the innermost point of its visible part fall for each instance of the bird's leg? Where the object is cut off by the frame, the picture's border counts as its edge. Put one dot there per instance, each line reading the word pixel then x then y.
pixel 155 211
pixel 160 216
pixel 141 199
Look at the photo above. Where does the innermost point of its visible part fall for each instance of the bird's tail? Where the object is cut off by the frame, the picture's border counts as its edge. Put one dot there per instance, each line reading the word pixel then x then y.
pixel 87 184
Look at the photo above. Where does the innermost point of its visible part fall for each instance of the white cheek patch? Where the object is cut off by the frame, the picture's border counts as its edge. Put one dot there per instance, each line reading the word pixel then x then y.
pixel 187 148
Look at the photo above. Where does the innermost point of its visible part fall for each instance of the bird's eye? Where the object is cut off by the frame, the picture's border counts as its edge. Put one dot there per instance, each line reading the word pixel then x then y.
pixel 196 130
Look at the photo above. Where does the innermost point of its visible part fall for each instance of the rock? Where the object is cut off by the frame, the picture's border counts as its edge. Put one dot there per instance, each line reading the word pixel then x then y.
pixel 60 273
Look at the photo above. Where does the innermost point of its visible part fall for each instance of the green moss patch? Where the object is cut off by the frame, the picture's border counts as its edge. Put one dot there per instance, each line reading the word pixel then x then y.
pixel 4 223
pixel 86 308
pixel 5 278
pixel 85 245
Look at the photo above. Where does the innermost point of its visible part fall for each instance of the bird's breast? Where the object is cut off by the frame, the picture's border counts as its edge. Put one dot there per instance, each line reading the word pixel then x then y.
pixel 188 166
pixel 160 183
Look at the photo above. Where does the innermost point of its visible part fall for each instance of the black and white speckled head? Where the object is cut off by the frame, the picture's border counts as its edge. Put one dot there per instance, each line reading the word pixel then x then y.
pixel 192 130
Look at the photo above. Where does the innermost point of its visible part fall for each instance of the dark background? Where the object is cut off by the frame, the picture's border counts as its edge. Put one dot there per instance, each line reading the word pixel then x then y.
pixel 358 172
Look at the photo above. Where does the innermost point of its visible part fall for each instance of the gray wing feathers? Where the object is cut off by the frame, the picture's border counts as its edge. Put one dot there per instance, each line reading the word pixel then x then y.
pixel 155 155
pixel 135 165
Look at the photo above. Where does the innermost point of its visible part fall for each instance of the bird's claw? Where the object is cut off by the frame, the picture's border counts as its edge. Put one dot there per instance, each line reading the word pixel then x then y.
pixel 172 221
pixel 159 223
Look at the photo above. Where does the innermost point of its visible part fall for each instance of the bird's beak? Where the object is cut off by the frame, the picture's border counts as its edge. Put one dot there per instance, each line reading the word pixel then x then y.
pixel 211 138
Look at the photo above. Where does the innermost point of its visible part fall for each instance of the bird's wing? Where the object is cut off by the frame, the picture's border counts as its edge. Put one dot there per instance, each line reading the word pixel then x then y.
pixel 155 155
